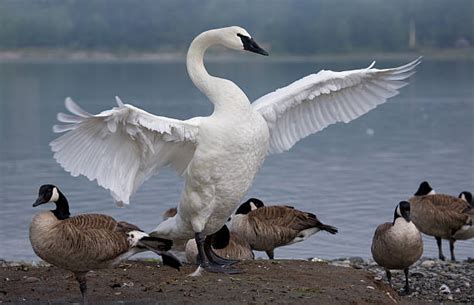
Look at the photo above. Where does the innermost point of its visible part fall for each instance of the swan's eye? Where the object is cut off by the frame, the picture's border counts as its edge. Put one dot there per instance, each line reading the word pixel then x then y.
pixel 132 236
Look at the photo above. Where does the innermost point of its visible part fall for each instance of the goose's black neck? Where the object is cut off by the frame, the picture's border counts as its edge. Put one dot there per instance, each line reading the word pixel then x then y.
pixel 62 207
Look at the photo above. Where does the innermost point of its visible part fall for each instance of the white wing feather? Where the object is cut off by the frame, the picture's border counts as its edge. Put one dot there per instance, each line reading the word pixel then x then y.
pixel 318 100
pixel 122 147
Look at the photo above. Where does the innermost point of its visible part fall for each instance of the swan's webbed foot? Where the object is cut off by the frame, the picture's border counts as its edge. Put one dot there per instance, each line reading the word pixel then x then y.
pixel 209 260
pixel 213 256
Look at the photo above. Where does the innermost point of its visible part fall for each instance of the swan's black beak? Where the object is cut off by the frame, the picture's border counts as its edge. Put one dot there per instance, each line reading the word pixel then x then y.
pixel 251 45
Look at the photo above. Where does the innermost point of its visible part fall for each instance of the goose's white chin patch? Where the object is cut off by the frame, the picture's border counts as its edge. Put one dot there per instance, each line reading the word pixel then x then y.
pixel 135 236
pixel 432 192
pixel 252 206
pixel 54 196
pixel 399 213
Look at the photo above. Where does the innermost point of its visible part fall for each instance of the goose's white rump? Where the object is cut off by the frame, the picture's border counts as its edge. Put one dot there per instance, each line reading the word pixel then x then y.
pixel 318 100
pixel 124 146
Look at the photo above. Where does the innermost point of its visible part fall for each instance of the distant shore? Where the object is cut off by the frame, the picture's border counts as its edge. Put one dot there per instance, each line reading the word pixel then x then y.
pixel 345 280
pixel 63 55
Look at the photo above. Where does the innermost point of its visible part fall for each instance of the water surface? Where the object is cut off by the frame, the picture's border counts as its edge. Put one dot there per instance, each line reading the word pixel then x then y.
pixel 350 175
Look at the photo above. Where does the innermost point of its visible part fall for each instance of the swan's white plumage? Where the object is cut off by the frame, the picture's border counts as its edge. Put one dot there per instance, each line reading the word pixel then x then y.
pixel 318 100
pixel 122 147
pixel 218 155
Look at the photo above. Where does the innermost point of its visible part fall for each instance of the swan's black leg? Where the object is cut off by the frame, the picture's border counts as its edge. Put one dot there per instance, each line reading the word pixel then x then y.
pixel 206 262
pixel 440 249
pixel 213 256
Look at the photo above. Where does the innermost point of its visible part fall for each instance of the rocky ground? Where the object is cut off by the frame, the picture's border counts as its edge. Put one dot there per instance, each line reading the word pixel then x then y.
pixel 430 280
pixel 344 281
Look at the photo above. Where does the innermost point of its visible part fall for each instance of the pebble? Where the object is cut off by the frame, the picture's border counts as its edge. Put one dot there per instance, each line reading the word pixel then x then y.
pixel 444 289
pixel 428 264
pixel 31 279
pixel 317 260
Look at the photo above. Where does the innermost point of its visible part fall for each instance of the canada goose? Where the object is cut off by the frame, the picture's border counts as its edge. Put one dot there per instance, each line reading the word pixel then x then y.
pixel 226 244
pixel 399 244
pixel 442 216
pixel 268 227
pixel 89 241
pixel 218 155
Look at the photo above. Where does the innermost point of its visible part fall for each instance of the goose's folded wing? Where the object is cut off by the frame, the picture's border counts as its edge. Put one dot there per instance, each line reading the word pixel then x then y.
pixel 92 221
pixel 318 100
pixel 122 147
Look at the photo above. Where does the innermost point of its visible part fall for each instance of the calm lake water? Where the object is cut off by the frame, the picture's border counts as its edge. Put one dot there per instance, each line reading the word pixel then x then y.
pixel 350 175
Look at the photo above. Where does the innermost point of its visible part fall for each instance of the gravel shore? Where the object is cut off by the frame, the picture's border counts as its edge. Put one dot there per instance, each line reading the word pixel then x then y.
pixel 430 280
pixel 342 281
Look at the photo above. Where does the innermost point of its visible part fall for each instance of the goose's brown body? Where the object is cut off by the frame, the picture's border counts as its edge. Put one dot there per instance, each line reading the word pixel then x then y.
pixel 397 246
pixel 269 227
pixel 80 243
pixel 440 215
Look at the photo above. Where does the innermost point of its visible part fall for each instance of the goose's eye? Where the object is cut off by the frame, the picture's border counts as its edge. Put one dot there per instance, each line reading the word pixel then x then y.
pixel 132 235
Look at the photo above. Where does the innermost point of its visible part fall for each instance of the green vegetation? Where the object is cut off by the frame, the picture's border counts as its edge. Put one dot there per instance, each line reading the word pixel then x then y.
pixel 286 27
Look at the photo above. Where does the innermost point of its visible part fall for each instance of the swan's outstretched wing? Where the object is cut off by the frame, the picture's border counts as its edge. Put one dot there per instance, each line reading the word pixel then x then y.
pixel 122 147
pixel 318 100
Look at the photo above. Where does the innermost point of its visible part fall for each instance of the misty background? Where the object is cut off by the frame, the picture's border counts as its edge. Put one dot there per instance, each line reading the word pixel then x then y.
pixel 284 27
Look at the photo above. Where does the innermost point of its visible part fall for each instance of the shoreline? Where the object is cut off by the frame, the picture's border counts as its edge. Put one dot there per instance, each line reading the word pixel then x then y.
pixel 78 56
pixel 327 281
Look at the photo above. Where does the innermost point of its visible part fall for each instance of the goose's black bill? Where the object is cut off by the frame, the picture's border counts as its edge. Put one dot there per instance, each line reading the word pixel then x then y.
pixel 39 201
pixel 251 46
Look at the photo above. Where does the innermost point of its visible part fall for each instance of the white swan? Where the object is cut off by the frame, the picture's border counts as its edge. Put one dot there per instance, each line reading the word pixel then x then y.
pixel 218 155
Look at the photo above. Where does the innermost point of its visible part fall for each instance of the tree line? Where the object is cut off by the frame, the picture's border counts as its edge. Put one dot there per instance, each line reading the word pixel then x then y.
pixel 287 27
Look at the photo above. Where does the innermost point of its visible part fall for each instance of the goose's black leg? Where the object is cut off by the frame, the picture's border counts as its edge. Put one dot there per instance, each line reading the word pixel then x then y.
pixel 270 254
pixel 205 261
pixel 440 249
pixel 389 277
pixel 451 248
pixel 406 289
pixel 81 279
pixel 213 256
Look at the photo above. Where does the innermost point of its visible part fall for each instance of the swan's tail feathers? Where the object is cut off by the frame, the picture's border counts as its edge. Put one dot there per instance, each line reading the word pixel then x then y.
pixel 330 229
pixel 160 246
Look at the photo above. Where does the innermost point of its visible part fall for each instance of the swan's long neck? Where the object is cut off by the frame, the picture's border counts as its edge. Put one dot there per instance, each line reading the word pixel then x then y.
pixel 216 89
